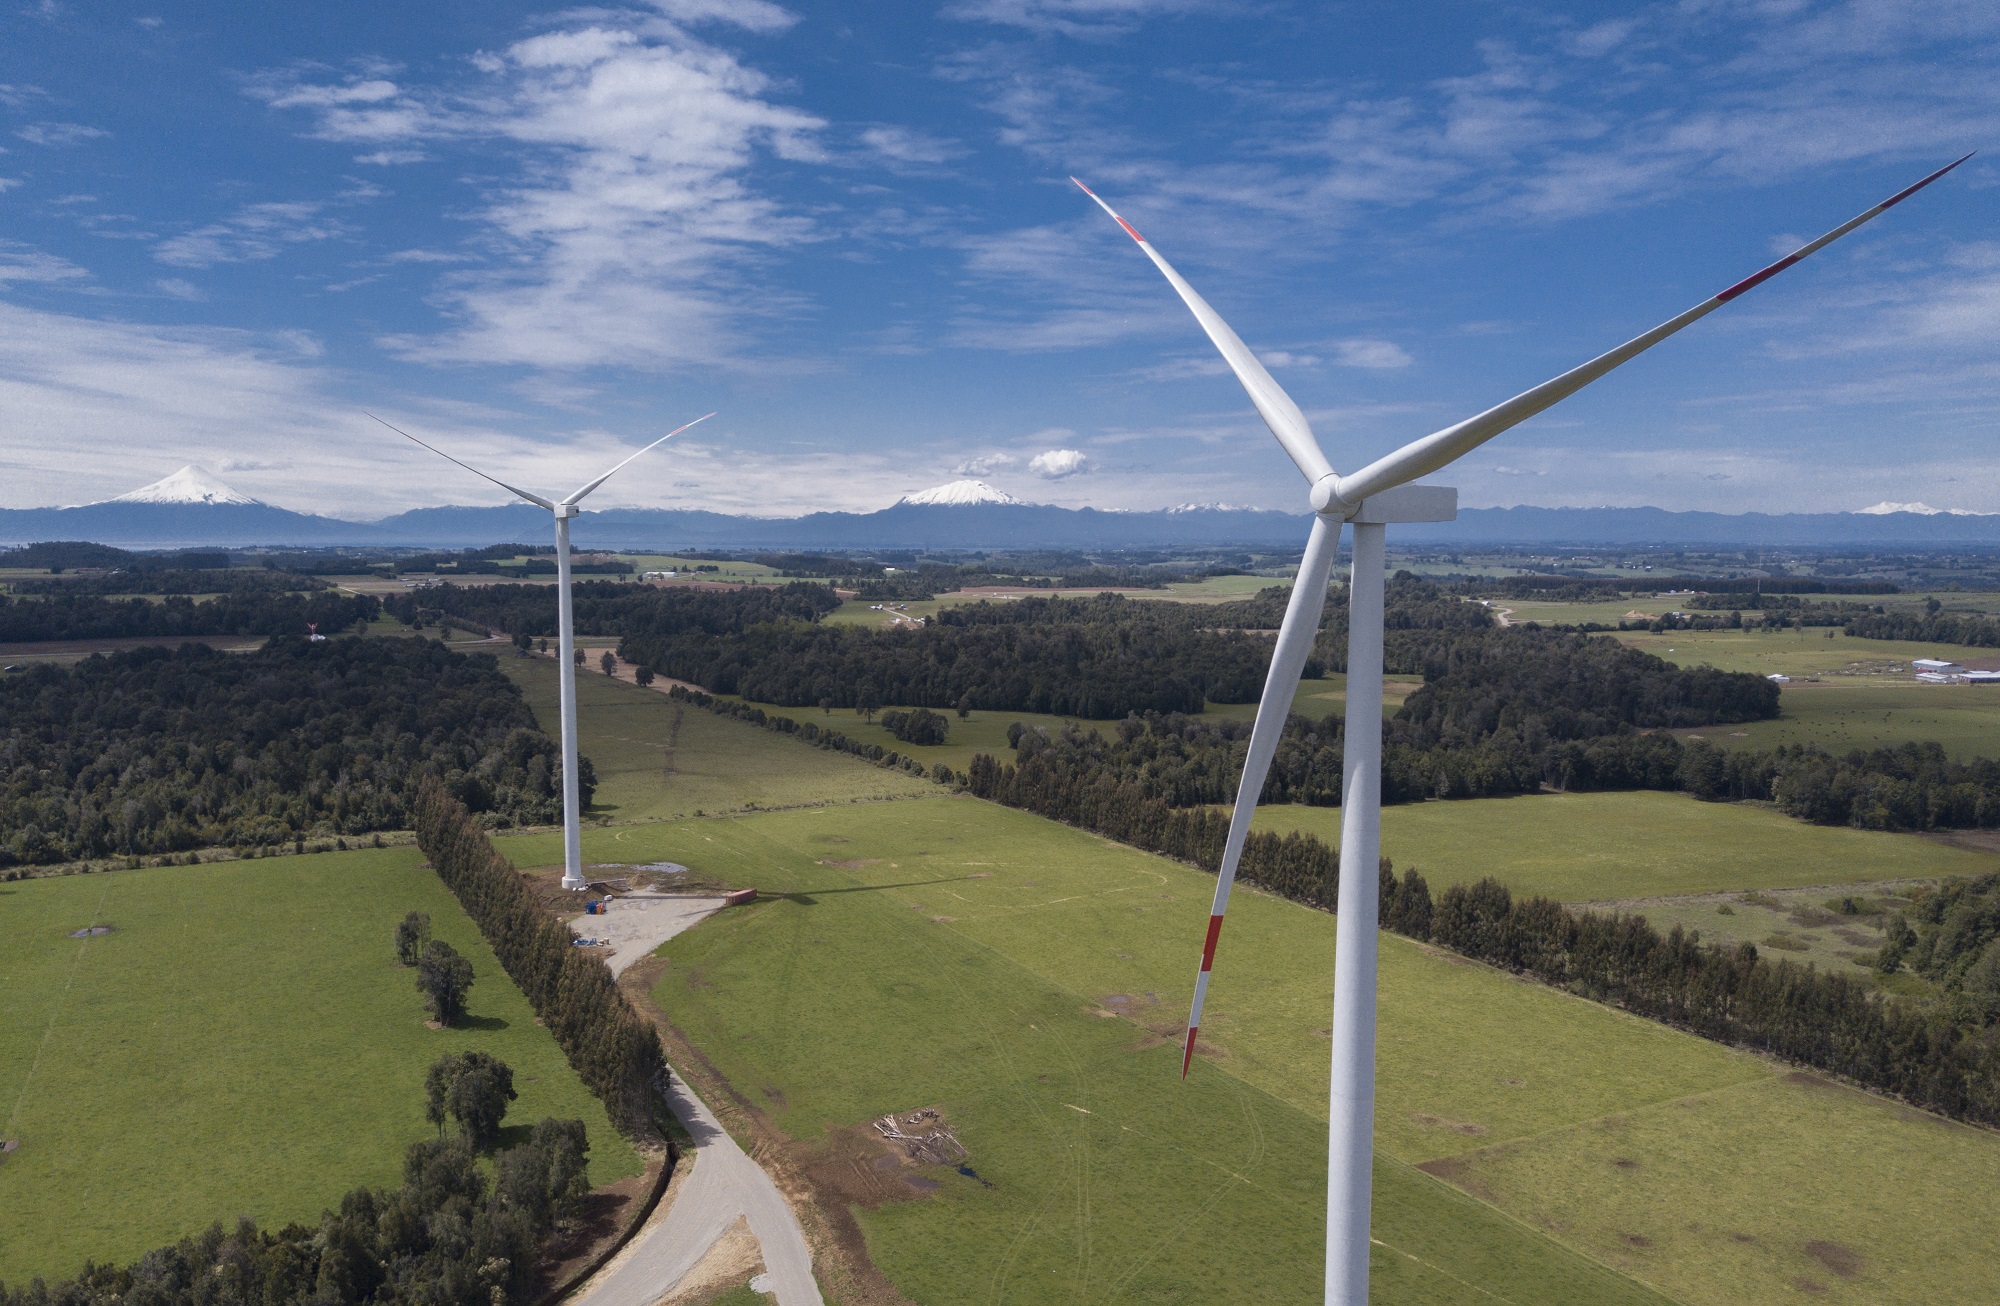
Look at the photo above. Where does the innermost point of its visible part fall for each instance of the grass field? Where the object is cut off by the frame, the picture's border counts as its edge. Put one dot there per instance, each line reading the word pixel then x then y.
pixel 242 1043
pixel 717 765
pixel 1841 713
pixel 1802 924
pixel 1594 847
pixel 1019 974
pixel 1791 653
pixel 1110 1181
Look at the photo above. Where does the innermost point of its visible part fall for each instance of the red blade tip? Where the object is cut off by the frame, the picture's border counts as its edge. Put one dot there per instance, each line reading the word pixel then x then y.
pixel 1187 1055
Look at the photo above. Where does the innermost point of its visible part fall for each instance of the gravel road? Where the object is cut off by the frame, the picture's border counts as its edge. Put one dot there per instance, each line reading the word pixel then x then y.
pixel 724 1183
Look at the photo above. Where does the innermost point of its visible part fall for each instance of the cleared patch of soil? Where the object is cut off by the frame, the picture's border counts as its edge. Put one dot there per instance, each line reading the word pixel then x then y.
pixel 734 1259
pixel 1457 1172
pixel 1837 1257
pixel 90 931
pixel 1425 1120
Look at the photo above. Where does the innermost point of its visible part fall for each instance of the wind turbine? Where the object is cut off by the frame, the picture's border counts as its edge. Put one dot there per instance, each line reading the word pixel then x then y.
pixel 563 510
pixel 1371 498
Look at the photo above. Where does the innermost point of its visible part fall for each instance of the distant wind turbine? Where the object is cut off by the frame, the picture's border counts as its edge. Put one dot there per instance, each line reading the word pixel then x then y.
pixel 1371 498
pixel 566 635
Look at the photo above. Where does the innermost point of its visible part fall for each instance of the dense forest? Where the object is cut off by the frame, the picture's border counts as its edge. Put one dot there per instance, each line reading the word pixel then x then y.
pixel 68 616
pixel 161 750
pixel 1100 657
pixel 609 608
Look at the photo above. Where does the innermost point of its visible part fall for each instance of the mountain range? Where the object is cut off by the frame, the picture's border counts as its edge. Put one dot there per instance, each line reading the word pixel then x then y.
pixel 192 507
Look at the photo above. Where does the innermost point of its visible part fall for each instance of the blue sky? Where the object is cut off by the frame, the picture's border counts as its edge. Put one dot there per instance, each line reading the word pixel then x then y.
pixel 539 235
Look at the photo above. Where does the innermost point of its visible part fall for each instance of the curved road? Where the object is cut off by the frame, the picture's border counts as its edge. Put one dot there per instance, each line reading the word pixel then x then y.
pixel 725 1182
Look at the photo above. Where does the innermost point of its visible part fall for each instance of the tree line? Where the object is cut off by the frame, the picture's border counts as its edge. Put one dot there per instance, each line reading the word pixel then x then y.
pixel 1951 936
pixel 1924 1054
pixel 65 555
pixel 614 1051
pixel 161 750
pixel 176 580
pixel 1565 588
pixel 68 615
pixel 449 1236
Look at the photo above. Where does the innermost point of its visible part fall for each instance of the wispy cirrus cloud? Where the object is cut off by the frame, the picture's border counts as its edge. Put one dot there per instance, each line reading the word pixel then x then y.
pixel 623 238
pixel 58 134
pixel 1080 18
pixel 253 232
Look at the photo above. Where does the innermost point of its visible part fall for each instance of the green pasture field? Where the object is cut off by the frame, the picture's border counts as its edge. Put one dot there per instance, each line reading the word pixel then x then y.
pixel 981 732
pixel 718 765
pixel 1805 925
pixel 1638 844
pixel 243 1043
pixel 725 570
pixel 857 994
pixel 1842 713
pixel 1029 979
pixel 986 732
pixel 1813 652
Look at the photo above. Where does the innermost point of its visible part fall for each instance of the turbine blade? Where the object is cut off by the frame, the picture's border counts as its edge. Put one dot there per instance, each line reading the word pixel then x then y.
pixel 535 499
pixel 1281 685
pixel 1434 451
pixel 1273 404
pixel 614 471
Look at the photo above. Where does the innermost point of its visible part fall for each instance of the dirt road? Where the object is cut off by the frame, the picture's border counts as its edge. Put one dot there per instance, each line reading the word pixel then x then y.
pixel 724 1184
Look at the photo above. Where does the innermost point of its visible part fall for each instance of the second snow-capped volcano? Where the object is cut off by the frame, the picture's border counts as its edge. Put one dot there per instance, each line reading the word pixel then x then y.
pixel 188 485
pixel 958 494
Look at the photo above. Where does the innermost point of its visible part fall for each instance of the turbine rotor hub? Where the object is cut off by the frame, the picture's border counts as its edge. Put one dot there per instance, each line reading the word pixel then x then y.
pixel 1326 499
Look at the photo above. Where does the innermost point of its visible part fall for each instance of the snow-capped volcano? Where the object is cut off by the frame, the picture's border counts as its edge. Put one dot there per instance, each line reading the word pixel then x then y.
pixel 1885 507
pixel 958 494
pixel 188 485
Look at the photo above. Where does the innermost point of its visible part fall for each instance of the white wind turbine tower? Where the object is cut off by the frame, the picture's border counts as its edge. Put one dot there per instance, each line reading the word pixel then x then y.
pixel 1378 494
pixel 563 510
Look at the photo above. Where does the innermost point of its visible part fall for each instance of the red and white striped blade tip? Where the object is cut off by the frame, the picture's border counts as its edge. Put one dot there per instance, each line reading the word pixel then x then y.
pixel 1187 1054
pixel 1130 230
pixel 1759 277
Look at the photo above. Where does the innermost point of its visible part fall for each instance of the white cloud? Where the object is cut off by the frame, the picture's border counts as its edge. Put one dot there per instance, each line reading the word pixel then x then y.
pixel 985 464
pixel 623 240
pixel 753 15
pixel 59 133
pixel 1068 17
pixel 177 288
pixel 8 183
pixel 1370 354
pixel 908 146
pixel 21 263
pixel 1056 464
pixel 391 158
pixel 256 231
